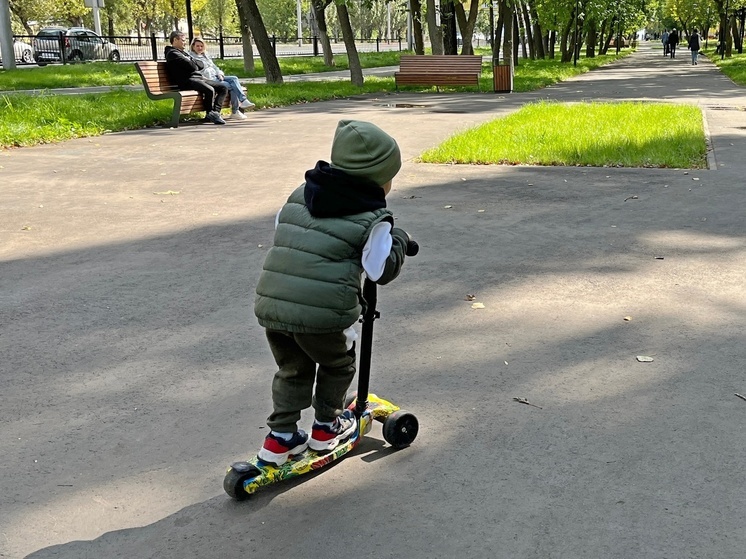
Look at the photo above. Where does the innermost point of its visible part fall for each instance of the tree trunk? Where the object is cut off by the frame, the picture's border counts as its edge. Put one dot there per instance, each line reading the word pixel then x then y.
pixel 248 49
pixel 263 45
pixel 467 25
pixel 734 33
pixel 416 10
pixel 499 26
pixel 436 35
pixel 448 21
pixel 515 42
pixel 539 38
pixel 356 70
pixel 552 43
pixel 319 11
pixel 565 50
pixel 507 9
pixel 529 33
pixel 590 43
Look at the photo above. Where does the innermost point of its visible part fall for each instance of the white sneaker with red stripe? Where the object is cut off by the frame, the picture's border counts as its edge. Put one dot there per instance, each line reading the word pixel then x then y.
pixel 277 450
pixel 325 437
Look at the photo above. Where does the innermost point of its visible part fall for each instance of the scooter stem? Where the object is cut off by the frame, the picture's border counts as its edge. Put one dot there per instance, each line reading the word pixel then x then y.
pixel 370 296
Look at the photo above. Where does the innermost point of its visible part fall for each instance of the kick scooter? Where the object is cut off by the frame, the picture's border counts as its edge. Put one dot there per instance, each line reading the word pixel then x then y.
pixel 399 427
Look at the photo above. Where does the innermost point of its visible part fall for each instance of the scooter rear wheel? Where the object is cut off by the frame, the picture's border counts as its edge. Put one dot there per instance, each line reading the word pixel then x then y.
pixel 234 480
pixel 400 429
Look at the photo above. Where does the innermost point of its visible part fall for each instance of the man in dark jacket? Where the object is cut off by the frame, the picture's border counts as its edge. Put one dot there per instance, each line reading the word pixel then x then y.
pixel 673 40
pixel 184 72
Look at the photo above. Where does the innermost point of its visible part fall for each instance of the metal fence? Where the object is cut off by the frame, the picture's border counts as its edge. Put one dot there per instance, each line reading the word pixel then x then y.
pixel 131 49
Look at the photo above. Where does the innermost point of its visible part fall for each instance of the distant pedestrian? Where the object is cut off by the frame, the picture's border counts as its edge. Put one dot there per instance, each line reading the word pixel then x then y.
pixel 673 40
pixel 694 46
pixel 664 40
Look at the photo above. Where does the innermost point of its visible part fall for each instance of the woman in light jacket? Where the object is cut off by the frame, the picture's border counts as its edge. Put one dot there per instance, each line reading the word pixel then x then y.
pixel 212 72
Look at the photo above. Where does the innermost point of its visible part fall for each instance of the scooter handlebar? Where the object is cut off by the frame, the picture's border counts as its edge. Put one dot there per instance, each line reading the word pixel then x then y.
pixel 412 248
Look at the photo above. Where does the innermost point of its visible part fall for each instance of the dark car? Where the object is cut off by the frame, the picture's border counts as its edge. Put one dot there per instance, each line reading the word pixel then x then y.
pixel 79 44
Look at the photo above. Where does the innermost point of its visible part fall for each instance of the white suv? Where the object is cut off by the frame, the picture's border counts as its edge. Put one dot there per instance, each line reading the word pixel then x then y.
pixel 79 43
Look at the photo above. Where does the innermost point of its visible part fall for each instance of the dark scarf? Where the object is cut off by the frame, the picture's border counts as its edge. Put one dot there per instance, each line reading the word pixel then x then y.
pixel 330 192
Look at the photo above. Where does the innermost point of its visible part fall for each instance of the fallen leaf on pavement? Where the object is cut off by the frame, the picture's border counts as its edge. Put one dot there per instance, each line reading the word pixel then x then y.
pixel 167 192
pixel 644 359
pixel 477 306
pixel 627 318
pixel 525 401
pixel 470 297
pixel 631 198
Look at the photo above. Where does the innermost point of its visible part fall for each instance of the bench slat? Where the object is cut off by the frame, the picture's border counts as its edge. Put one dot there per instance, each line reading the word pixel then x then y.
pixel 439 70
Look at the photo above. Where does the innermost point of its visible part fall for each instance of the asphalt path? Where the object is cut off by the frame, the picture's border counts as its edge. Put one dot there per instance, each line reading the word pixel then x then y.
pixel 132 371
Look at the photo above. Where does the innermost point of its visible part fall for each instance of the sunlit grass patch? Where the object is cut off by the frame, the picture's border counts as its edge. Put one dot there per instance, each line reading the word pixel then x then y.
pixel 595 134
pixel 37 119
pixel 734 66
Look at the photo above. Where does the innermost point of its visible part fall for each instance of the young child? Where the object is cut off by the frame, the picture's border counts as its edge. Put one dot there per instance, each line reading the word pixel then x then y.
pixel 332 228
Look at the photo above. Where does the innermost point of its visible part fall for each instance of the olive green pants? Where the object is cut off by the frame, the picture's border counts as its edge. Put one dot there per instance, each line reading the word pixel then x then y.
pixel 297 356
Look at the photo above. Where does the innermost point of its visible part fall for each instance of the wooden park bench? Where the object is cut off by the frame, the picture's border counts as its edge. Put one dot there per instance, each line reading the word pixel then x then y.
pixel 157 86
pixel 439 70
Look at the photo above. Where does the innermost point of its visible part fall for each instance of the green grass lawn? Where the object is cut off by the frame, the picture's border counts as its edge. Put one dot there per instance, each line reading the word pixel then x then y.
pixel 123 73
pixel 596 134
pixel 733 67
pixel 31 119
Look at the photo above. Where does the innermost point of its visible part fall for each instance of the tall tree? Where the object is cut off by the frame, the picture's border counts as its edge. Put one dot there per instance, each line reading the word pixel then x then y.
pixel 248 49
pixel 466 24
pixel 356 70
pixel 448 21
pixel 433 29
pixel 415 8
pixel 264 46
pixel 319 11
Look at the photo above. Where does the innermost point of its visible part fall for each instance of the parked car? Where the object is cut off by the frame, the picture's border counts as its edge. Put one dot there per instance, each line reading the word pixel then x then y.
pixel 79 43
pixel 23 52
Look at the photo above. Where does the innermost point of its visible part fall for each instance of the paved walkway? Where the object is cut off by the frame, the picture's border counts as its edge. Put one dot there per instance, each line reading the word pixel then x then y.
pixel 133 372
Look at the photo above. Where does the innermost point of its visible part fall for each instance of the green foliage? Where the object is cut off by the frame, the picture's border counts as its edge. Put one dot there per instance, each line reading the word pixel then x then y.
pixel 733 67
pixel 280 17
pixel 597 134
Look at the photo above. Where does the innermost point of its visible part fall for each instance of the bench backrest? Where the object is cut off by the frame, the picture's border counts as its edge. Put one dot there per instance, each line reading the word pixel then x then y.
pixel 441 63
pixel 154 76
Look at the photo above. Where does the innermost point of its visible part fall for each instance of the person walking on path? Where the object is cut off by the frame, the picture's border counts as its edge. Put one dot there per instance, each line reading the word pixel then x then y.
pixel 212 72
pixel 185 72
pixel 694 46
pixel 673 40
pixel 664 40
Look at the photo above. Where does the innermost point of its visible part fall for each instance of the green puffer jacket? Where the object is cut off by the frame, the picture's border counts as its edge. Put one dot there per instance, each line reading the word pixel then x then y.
pixel 310 282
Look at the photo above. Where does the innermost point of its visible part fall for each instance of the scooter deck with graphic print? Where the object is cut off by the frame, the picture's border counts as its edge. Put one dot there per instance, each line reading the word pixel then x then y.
pixel 246 477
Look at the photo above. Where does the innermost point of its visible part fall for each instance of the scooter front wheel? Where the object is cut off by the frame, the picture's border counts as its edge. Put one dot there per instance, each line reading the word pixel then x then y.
pixel 400 429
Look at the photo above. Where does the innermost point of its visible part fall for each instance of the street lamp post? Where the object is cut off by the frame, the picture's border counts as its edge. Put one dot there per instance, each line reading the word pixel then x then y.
pixel 575 47
pixel 299 13
pixel 724 32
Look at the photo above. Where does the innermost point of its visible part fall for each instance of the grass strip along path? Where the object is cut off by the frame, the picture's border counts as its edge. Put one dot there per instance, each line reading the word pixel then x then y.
pixel 597 134
pixel 27 120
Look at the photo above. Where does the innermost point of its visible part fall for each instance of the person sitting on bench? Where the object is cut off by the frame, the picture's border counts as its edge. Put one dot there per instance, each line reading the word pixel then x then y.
pixel 184 72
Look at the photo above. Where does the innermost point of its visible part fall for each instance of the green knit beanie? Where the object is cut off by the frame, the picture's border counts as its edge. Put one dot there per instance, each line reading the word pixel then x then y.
pixel 362 149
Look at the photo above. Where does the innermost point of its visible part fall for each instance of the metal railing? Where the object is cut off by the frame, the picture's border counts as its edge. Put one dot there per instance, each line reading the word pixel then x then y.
pixel 132 49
